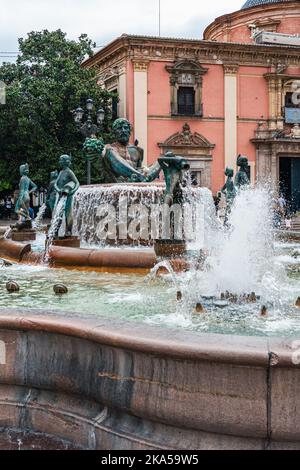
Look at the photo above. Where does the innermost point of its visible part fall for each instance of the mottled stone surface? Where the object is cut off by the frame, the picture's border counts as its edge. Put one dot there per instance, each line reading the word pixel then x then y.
pixel 107 384
pixel 25 440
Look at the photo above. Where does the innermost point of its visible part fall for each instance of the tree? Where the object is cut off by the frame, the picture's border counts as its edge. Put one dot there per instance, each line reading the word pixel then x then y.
pixel 43 87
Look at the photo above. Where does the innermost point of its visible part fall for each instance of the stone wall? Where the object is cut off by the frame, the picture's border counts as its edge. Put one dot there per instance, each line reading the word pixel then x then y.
pixel 100 384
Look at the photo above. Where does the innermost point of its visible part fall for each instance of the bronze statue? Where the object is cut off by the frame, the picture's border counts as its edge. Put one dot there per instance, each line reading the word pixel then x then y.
pixel 93 148
pixel 117 162
pixel 229 189
pixel 241 178
pixel 136 155
pixel 51 193
pixel 121 162
pixel 26 187
pixel 66 186
pixel 173 167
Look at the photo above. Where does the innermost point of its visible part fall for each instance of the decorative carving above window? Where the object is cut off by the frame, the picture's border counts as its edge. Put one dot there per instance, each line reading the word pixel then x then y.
pixel 187 138
pixel 110 79
pixel 196 148
pixel 265 24
pixel 186 73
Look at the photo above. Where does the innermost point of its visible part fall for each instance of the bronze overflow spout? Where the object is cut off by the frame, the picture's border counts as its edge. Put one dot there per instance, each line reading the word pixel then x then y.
pixel 12 286
pixel 199 308
pixel 264 311
pixel 60 289
pixel 252 297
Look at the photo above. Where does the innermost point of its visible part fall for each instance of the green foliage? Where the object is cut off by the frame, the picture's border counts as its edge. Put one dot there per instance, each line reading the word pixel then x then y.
pixel 43 87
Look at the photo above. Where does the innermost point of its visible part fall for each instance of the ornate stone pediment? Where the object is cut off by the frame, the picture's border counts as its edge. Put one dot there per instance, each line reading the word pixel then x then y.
pixel 196 149
pixel 186 138
pixel 109 78
pixel 187 66
pixel 186 72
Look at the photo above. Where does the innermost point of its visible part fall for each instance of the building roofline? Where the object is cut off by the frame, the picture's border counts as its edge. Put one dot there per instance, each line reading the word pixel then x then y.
pixel 262 4
pixel 125 41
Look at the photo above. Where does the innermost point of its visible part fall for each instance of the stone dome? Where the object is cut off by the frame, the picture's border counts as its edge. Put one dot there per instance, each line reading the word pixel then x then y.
pixel 254 3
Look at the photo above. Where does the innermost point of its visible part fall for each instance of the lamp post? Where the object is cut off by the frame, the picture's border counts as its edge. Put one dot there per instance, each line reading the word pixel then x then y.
pixel 88 129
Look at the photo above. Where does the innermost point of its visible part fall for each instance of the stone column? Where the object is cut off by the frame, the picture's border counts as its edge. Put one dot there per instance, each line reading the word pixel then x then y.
pixel 276 120
pixel 122 92
pixel 280 120
pixel 141 105
pixel 230 88
pixel 274 173
pixel 272 103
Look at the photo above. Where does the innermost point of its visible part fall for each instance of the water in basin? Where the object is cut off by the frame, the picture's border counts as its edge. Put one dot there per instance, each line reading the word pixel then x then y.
pixel 137 298
pixel 243 258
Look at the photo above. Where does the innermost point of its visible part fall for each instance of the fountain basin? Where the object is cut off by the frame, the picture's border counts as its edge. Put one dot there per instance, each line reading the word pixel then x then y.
pixel 80 257
pixel 23 235
pixel 14 250
pixel 170 248
pixel 105 258
pixel 116 259
pixel 288 235
pixel 68 242
pixel 123 386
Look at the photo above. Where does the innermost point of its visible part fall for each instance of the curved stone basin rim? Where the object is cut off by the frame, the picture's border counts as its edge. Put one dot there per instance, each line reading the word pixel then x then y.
pixel 154 340
pixel 114 384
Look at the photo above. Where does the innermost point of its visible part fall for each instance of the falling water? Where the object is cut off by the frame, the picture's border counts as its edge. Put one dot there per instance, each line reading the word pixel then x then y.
pixel 244 250
pixel 165 265
pixel 202 222
pixel 7 233
pixel 241 258
pixel 89 200
pixel 39 218
pixel 56 222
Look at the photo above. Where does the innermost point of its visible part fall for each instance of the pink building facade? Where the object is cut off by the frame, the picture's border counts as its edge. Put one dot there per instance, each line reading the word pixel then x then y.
pixel 211 99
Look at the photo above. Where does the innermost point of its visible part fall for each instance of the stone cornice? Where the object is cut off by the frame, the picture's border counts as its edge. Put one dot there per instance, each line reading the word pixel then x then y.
pixel 143 48
pixel 274 141
pixel 281 76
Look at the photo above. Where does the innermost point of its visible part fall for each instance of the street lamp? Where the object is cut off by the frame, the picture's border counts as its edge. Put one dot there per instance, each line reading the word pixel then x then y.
pixel 88 129
pixel 100 116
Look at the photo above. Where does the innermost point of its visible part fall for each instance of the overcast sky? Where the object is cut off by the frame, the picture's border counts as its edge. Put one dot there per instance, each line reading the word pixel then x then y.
pixel 104 20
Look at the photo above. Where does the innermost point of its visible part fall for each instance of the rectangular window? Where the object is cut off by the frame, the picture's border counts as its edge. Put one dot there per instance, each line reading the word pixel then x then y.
pixel 290 102
pixel 292 109
pixel 186 101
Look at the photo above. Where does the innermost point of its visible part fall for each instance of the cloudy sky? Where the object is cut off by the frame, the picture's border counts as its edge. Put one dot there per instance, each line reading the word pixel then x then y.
pixel 104 20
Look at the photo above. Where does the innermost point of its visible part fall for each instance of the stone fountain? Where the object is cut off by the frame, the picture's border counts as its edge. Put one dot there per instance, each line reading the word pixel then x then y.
pixel 91 367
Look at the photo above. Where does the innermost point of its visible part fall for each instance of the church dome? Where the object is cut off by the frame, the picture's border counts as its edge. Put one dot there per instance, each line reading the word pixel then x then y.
pixel 254 3
pixel 280 16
